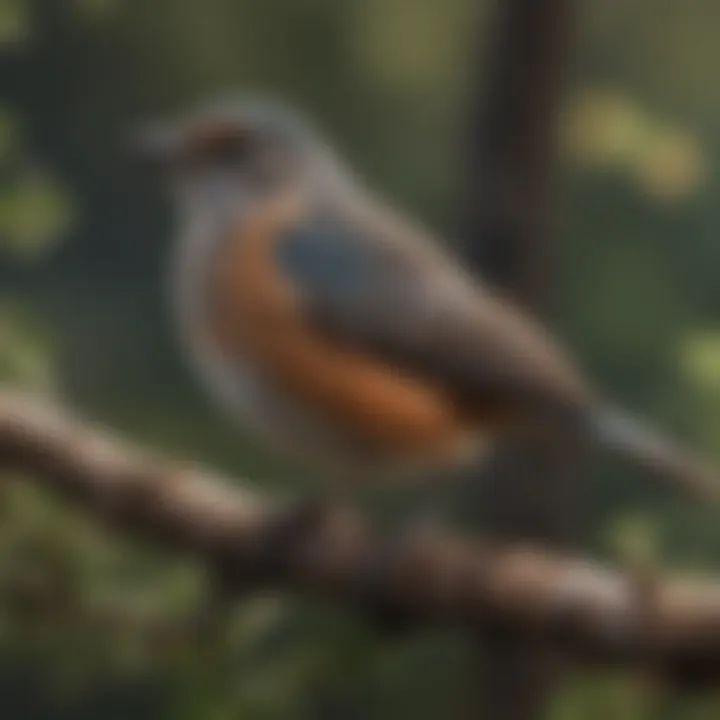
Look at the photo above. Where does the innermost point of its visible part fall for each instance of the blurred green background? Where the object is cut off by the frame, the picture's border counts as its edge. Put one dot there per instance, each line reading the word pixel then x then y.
pixel 93 626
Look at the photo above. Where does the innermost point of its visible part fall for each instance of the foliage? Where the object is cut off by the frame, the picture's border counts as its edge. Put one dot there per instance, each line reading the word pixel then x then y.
pixel 88 622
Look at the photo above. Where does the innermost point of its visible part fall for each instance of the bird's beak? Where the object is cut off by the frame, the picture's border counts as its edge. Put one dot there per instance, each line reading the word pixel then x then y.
pixel 158 143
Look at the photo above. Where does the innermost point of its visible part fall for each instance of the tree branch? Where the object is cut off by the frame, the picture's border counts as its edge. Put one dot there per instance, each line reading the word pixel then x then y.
pixel 601 614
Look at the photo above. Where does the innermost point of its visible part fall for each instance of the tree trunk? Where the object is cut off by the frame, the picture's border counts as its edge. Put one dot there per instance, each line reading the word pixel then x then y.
pixel 530 492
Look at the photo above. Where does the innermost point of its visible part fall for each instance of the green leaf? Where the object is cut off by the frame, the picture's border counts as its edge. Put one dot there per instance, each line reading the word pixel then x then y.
pixel 14 22
pixel 635 538
pixel 34 213
pixel 25 356
pixel 700 360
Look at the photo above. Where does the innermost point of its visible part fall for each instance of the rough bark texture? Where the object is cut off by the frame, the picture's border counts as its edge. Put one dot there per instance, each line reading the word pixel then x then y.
pixel 600 614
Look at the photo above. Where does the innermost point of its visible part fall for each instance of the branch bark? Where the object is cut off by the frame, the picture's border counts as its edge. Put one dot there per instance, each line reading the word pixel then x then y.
pixel 602 615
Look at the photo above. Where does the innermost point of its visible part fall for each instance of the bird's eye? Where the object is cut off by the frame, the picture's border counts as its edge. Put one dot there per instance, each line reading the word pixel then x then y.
pixel 230 151
pixel 221 145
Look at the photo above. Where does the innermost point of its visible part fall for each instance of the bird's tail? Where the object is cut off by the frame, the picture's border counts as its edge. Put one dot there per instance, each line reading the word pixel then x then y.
pixel 632 439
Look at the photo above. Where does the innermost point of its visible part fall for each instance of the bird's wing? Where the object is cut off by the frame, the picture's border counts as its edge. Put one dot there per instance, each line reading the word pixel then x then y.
pixel 369 283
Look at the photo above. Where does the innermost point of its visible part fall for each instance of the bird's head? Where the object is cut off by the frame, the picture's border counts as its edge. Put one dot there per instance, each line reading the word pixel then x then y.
pixel 242 149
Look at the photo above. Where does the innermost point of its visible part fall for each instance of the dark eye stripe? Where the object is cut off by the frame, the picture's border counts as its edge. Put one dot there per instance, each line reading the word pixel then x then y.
pixel 220 143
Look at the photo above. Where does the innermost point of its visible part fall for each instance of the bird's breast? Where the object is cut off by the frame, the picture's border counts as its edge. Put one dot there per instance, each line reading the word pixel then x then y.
pixel 281 372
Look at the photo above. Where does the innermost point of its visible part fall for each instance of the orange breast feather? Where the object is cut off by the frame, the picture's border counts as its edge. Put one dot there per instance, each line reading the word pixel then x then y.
pixel 258 314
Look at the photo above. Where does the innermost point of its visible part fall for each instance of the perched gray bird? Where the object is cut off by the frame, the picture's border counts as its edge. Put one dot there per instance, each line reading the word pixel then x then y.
pixel 342 332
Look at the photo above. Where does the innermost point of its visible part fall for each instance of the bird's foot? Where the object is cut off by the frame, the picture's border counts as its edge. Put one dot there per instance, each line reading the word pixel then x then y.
pixel 269 553
pixel 389 560
pixel 291 524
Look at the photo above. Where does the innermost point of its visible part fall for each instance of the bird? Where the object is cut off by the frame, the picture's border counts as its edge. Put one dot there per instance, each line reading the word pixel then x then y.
pixel 346 335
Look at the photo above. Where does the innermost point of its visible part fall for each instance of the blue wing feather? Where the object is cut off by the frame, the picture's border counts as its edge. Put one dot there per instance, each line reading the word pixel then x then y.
pixel 418 312
pixel 325 258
